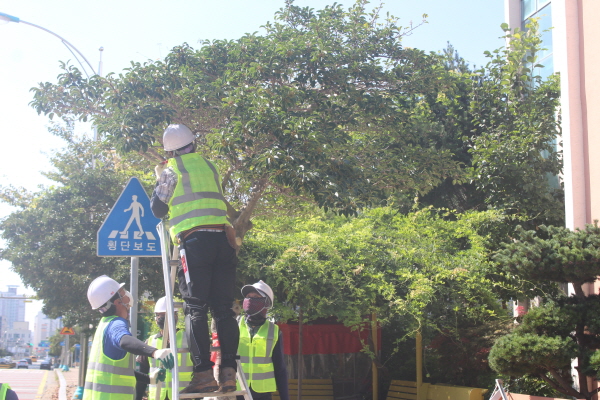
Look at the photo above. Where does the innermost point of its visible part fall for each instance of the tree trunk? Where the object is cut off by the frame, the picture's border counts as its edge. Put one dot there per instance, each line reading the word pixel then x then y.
pixel 242 222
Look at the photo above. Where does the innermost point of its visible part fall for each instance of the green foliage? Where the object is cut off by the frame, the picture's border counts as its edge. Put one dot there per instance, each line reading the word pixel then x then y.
pixel 565 328
pixel 514 143
pixel 326 105
pixel 424 271
pixel 305 109
pixel 51 239
pixel 554 254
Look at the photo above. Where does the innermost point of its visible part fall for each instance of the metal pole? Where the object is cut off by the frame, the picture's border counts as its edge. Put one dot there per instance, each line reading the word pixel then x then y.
pixel 419 346
pixel 66 359
pixel 82 358
pixel 375 371
pixel 135 262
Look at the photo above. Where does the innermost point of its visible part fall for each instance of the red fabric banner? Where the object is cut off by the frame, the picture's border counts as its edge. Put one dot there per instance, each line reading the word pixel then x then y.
pixel 325 339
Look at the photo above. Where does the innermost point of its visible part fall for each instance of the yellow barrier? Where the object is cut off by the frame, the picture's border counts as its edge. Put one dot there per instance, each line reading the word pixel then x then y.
pixel 405 390
pixel 312 389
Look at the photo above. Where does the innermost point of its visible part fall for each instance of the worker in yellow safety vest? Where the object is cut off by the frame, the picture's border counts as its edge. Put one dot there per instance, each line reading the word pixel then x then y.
pixel 261 345
pixel 189 192
pixel 6 393
pixel 156 340
pixel 110 371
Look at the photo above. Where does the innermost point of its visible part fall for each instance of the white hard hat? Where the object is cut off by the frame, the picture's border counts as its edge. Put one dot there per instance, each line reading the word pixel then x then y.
pixel 161 305
pixel 101 290
pixel 177 136
pixel 262 288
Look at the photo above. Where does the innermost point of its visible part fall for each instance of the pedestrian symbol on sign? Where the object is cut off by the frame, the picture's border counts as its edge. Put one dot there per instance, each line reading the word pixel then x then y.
pixel 136 209
pixel 137 212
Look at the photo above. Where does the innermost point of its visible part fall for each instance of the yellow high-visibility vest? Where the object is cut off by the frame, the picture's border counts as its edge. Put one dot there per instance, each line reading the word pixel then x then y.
pixel 256 356
pixel 3 389
pixel 108 379
pixel 183 360
pixel 198 196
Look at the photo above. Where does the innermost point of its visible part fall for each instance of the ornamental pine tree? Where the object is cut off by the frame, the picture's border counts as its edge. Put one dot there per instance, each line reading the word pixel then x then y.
pixel 565 327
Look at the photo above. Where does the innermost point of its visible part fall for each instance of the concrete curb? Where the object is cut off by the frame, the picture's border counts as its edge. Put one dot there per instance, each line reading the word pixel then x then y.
pixel 62 391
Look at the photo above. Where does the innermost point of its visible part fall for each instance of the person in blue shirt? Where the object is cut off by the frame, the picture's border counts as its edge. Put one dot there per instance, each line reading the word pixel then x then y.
pixel 110 360
pixel 6 393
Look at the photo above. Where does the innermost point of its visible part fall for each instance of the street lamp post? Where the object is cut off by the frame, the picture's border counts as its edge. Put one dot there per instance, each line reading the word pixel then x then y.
pixel 72 49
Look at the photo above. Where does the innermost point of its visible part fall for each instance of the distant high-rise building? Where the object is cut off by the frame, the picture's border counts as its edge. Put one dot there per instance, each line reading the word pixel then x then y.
pixel 44 327
pixel 11 306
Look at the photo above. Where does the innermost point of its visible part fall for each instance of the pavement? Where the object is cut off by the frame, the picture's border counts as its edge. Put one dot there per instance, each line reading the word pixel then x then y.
pixel 63 386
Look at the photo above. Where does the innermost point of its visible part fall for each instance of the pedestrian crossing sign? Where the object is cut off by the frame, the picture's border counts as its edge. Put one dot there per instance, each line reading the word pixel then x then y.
pixel 67 331
pixel 129 230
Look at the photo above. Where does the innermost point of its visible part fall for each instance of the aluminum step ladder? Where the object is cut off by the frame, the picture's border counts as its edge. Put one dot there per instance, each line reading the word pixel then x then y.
pixel 170 265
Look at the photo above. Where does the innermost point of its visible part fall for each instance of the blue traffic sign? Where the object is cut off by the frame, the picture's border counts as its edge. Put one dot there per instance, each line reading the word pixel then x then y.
pixel 129 230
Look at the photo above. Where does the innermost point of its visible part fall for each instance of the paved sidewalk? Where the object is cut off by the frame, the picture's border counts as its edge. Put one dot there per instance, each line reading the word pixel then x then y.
pixel 61 389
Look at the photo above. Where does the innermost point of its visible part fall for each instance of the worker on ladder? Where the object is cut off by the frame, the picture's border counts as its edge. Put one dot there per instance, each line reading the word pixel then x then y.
pixel 110 371
pixel 156 340
pixel 189 191
pixel 261 345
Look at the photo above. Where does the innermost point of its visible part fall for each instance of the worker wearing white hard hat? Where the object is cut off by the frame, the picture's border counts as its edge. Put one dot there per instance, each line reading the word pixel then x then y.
pixel 262 362
pixel 149 366
pixel 189 192
pixel 110 372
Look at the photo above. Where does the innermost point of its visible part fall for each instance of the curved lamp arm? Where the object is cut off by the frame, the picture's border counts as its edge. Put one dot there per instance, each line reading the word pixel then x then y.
pixel 11 18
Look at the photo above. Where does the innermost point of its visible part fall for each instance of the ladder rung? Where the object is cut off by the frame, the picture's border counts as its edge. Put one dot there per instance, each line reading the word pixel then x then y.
pixel 211 394
pixel 185 350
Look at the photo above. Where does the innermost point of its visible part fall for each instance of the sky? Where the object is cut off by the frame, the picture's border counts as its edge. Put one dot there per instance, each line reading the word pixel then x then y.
pixel 136 30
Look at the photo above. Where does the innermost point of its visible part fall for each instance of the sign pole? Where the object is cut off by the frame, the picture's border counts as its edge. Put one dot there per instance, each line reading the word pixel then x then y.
pixel 135 262
pixel 66 360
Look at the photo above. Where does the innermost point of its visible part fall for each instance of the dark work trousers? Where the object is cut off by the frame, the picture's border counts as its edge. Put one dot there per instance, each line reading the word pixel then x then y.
pixel 212 264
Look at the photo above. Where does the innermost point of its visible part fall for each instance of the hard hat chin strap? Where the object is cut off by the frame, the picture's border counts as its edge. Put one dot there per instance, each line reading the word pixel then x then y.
pixel 106 306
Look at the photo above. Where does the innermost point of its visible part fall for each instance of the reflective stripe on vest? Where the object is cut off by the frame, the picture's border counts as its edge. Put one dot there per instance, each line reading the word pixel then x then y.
pixel 183 360
pixel 108 379
pixel 256 356
pixel 198 196
pixel 3 389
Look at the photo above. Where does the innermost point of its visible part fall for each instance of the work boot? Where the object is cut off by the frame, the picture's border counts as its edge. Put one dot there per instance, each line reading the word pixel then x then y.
pixel 227 380
pixel 202 382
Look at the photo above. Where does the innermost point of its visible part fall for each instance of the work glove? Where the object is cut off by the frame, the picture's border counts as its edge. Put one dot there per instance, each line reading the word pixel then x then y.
pixel 158 375
pixel 165 357
pixel 158 170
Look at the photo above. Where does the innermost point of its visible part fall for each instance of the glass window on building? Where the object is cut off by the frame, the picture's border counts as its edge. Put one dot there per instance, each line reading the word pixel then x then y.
pixel 528 8
pixel 542 10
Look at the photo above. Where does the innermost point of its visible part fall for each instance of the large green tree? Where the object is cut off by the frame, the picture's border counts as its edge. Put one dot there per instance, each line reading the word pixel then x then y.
pixel 564 328
pixel 320 106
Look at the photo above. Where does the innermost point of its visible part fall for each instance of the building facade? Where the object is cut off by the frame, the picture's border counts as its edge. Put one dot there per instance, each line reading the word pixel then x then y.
pixel 12 308
pixel 43 329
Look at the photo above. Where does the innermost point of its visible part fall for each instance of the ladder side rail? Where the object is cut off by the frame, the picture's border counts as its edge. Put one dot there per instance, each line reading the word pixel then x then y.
pixel 159 385
pixel 242 379
pixel 163 234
